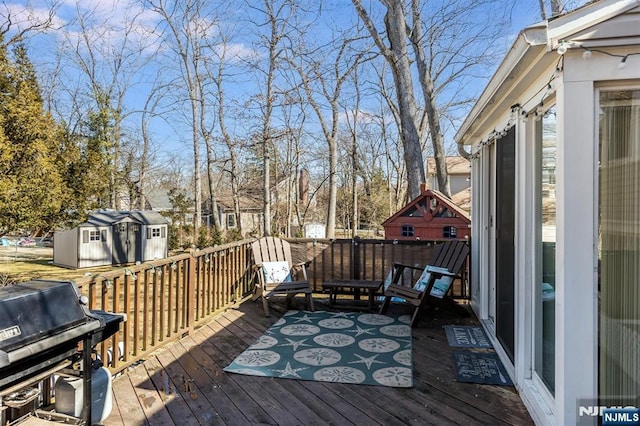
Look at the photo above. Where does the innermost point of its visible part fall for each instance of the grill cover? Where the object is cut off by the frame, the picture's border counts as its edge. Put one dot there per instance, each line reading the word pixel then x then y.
pixel 38 309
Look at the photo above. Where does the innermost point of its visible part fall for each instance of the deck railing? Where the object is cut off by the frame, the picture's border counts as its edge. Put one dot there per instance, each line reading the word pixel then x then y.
pixel 166 299
pixel 367 259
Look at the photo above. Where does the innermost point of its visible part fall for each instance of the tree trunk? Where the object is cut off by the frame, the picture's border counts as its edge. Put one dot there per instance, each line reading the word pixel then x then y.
pixel 398 58
pixel 433 115
pixel 401 67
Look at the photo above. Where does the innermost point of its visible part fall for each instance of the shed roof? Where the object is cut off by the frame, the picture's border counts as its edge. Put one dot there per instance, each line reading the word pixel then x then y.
pixel 443 199
pixel 111 217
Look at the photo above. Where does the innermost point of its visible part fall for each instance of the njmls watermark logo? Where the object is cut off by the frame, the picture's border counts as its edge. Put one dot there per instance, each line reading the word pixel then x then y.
pixel 621 416
pixel 609 412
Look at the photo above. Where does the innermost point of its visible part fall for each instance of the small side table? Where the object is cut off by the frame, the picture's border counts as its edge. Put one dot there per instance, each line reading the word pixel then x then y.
pixel 355 285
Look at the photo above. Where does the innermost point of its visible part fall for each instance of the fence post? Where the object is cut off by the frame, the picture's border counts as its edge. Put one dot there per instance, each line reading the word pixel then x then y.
pixel 355 264
pixel 191 290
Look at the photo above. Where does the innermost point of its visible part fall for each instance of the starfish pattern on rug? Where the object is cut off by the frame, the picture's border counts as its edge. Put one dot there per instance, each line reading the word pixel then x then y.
pixel 341 347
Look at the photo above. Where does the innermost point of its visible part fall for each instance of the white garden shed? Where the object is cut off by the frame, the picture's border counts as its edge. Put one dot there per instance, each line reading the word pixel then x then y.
pixel 110 237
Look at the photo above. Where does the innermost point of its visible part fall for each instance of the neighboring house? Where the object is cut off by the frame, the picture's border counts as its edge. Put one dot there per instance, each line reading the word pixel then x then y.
pixel 459 170
pixel 555 143
pixel 158 201
pixel 250 211
pixel 429 216
pixel 110 237
pixel 251 217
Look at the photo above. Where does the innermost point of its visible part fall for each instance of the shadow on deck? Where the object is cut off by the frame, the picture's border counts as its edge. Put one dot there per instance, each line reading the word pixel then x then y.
pixel 183 384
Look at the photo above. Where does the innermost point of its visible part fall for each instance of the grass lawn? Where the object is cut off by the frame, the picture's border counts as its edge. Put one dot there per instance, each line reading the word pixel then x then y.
pixel 25 270
pixel 29 263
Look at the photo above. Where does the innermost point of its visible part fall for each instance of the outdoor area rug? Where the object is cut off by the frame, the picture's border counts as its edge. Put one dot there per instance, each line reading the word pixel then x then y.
pixel 342 347
pixel 467 336
pixel 480 367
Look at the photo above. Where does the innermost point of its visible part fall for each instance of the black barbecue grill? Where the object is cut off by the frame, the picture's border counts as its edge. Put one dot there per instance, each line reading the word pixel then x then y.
pixel 41 326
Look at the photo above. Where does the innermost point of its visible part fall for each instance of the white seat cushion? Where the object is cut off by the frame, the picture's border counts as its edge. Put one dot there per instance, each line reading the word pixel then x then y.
pixel 276 272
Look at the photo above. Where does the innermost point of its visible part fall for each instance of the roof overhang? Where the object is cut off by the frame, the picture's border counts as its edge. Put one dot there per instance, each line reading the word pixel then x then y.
pixel 531 54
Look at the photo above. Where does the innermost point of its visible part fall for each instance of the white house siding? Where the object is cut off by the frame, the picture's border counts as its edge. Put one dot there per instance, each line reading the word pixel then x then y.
pixel 574 91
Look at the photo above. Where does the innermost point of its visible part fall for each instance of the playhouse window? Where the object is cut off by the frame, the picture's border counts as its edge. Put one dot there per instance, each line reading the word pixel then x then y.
pixel 231 220
pixel 449 232
pixel 408 231
pixel 94 235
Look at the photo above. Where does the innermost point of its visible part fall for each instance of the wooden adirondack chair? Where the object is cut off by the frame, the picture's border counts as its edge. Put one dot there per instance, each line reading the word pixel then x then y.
pixel 276 272
pixel 434 283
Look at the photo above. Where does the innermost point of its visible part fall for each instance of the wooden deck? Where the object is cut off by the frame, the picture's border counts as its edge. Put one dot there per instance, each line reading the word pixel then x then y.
pixel 184 384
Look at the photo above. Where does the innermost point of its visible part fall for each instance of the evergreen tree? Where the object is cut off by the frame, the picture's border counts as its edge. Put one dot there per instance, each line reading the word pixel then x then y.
pixel 31 186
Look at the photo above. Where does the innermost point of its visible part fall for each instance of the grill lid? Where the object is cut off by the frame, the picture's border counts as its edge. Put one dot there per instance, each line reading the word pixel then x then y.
pixel 35 310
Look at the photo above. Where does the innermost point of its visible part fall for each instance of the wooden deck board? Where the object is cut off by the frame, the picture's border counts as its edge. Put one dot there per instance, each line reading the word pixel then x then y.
pixel 280 405
pixel 205 351
pixel 129 407
pixel 177 407
pixel 222 398
pixel 198 385
pixel 149 397
pixel 202 411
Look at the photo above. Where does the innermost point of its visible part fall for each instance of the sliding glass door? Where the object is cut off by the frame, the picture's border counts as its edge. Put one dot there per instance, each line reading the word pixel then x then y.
pixel 619 246
pixel 505 231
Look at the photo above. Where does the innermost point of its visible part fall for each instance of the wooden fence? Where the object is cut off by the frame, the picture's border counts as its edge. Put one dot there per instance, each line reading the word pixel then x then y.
pixel 166 299
pixel 367 259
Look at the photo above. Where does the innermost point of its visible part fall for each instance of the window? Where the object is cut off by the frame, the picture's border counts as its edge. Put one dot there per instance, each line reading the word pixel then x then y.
pixel 407 231
pixel 546 248
pixel 153 233
pixel 90 236
pixel 231 220
pixel 449 232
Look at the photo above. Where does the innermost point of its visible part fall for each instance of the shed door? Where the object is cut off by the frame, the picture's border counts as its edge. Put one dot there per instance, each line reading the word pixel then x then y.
pixel 125 242
pixel 505 225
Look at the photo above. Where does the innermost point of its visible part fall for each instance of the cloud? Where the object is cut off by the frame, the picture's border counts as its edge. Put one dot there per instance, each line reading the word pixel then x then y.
pixel 236 52
pixel 107 24
pixel 364 117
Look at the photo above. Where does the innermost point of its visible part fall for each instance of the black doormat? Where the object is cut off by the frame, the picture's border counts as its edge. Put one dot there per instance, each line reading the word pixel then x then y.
pixel 480 367
pixel 467 336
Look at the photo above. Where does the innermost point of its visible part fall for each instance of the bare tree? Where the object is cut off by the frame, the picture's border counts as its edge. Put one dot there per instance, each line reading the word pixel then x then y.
pixel 190 27
pixel 322 78
pixel 234 172
pixel 428 91
pixel 452 42
pixel 355 163
pixel 397 55
pixel 110 64
pixel 557 7
pixel 277 15
pixel 19 23
pixel 148 113
pixel 394 164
